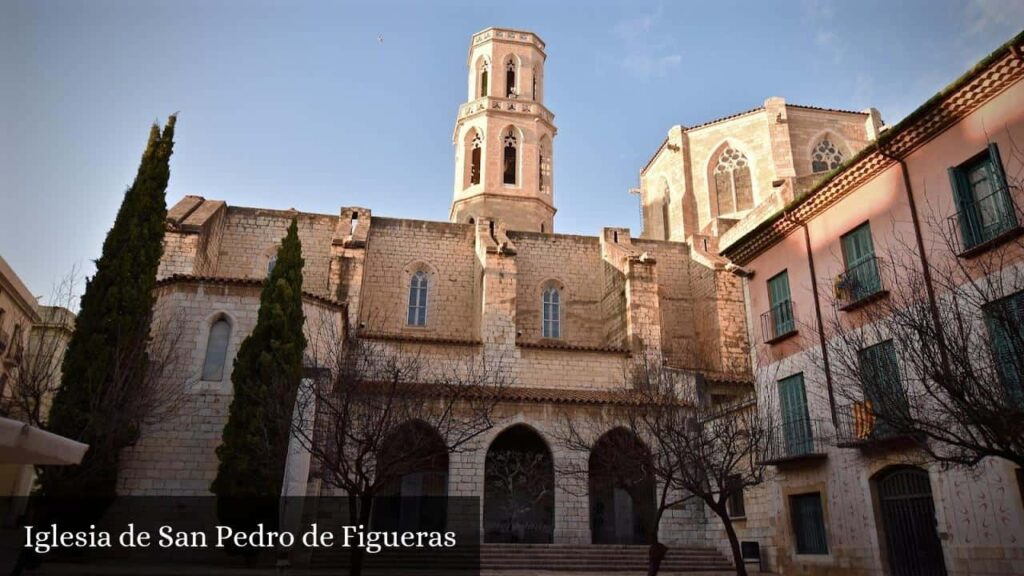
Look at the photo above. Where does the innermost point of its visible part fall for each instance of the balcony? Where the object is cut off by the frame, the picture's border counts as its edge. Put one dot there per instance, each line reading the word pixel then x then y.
pixel 860 284
pixel 797 442
pixel 778 323
pixel 987 222
pixel 863 426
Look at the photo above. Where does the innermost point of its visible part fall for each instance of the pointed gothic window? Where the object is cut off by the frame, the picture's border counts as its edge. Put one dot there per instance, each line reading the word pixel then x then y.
pixel 474 161
pixel 826 156
pixel 510 78
pixel 418 299
pixel 733 186
pixel 485 72
pixel 216 350
pixel 552 313
pixel 510 157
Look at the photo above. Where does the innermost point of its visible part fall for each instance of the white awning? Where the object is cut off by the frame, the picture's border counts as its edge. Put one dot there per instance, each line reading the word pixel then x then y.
pixel 24 444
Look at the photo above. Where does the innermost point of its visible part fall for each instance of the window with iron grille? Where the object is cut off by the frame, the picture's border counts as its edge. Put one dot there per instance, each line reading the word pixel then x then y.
pixel 808 523
pixel 735 505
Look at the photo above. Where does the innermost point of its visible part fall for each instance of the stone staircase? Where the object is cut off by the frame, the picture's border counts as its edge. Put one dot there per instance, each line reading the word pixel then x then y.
pixel 536 557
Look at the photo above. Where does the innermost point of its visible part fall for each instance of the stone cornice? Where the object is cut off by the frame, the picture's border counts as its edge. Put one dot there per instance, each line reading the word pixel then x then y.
pixel 505 35
pixel 510 106
pixel 987 80
pixel 176 279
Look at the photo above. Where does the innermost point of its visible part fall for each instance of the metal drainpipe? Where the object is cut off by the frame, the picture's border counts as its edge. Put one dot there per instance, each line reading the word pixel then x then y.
pixel 925 268
pixel 821 324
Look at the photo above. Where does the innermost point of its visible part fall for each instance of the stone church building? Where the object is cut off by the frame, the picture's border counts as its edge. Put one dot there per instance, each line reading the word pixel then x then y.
pixel 569 311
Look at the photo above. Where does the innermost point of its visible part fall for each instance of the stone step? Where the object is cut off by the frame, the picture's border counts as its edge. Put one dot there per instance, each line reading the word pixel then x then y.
pixel 535 557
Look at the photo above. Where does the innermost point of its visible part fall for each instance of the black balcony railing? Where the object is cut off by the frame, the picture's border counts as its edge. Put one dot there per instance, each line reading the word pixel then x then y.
pixel 860 284
pixel 778 322
pixel 864 424
pixel 797 441
pixel 987 220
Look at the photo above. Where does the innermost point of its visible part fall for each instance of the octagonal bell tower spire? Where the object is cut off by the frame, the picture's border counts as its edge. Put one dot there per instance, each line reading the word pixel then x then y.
pixel 504 161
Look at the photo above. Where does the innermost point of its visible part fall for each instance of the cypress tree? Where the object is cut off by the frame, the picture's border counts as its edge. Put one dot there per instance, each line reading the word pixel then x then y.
pixel 107 350
pixel 266 377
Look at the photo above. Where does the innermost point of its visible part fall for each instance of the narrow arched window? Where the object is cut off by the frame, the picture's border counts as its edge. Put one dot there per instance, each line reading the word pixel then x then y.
pixel 534 83
pixel 544 166
pixel 485 72
pixel 826 156
pixel 418 299
pixel 733 186
pixel 510 157
pixel 552 313
pixel 217 350
pixel 510 78
pixel 664 217
pixel 474 161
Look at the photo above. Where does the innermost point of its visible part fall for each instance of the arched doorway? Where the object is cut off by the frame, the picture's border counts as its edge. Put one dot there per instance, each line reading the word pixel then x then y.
pixel 621 489
pixel 908 522
pixel 519 488
pixel 414 462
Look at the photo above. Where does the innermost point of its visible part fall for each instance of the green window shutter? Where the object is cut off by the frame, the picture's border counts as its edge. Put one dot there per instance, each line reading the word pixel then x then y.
pixel 861 278
pixel 996 163
pixel 1002 200
pixel 967 211
pixel 808 523
pixel 796 422
pixel 781 306
pixel 857 246
pixel 1004 320
pixel 880 380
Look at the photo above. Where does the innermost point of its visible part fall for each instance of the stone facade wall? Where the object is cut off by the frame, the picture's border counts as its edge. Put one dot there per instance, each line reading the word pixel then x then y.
pixel 251 237
pixel 175 455
pixel 573 264
pixel 777 139
pixel 397 249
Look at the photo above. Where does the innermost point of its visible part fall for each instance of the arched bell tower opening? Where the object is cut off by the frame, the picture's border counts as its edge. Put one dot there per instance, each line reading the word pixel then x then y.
pixel 504 163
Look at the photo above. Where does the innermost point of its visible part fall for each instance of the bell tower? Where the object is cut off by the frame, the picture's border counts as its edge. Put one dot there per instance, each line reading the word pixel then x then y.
pixel 504 163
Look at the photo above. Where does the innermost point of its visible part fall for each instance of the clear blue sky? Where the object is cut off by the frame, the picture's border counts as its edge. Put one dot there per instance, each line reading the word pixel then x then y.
pixel 297 104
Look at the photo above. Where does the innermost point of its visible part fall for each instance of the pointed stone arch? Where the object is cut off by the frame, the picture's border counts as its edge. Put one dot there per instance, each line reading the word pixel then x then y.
pixel 511 146
pixel 519 487
pixel 732 182
pixel 483 77
pixel 414 496
pixel 473 157
pixel 621 489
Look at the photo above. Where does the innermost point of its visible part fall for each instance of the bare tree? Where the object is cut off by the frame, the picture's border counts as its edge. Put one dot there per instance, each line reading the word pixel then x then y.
pixel 692 451
pixel 520 480
pixel 930 351
pixel 379 411
pixel 36 375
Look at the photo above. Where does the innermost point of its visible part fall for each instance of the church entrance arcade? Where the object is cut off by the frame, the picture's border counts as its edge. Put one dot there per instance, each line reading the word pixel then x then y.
pixel 415 498
pixel 519 488
pixel 621 489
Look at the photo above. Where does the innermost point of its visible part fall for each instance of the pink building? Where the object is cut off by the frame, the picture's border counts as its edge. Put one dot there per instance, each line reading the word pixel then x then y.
pixel 925 218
